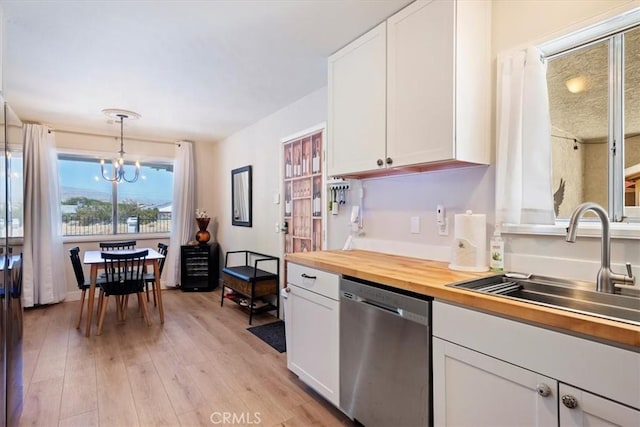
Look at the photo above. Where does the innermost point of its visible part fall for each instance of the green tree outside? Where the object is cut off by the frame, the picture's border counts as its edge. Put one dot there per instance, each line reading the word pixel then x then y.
pixel 92 211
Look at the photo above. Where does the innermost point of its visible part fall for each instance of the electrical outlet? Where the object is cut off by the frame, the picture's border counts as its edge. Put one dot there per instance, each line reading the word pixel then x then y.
pixel 443 227
pixel 277 227
pixel 415 225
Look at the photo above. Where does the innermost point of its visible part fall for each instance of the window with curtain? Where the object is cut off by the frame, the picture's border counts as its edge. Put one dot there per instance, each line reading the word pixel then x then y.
pixel 13 220
pixel 594 103
pixel 94 206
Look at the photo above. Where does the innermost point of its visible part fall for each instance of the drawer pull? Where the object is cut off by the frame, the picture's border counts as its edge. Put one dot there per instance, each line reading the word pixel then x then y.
pixel 543 390
pixel 306 276
pixel 569 401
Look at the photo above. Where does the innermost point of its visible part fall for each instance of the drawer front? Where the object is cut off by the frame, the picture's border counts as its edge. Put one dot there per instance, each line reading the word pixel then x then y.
pixel 318 281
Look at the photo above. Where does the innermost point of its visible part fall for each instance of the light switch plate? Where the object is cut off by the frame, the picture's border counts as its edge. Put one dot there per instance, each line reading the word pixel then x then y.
pixel 276 198
pixel 415 225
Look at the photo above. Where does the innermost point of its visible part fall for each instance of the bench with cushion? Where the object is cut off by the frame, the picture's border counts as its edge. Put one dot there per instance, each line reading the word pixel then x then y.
pixel 247 280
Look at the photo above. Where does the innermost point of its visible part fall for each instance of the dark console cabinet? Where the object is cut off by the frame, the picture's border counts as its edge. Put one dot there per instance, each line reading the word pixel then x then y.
pixel 199 267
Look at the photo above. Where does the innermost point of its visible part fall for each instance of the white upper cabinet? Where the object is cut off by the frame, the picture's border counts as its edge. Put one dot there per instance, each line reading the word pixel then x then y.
pixel 357 104
pixel 420 79
pixel 433 90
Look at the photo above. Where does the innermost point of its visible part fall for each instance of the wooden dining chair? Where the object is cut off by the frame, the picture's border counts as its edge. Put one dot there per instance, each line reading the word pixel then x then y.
pixel 124 276
pixel 83 284
pixel 150 278
pixel 114 246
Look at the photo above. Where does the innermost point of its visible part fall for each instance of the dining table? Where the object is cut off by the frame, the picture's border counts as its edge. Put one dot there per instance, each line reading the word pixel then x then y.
pixel 94 259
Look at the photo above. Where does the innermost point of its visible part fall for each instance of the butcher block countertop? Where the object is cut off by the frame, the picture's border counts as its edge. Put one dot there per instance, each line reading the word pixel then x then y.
pixel 431 277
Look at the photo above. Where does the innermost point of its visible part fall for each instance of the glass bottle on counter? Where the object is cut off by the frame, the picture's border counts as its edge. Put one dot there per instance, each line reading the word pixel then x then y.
pixel 496 249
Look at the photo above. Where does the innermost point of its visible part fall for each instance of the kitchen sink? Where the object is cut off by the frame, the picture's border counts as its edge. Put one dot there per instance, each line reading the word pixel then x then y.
pixel 579 297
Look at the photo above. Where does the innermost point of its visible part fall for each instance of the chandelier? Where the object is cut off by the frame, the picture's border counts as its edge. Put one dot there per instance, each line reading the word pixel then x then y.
pixel 118 172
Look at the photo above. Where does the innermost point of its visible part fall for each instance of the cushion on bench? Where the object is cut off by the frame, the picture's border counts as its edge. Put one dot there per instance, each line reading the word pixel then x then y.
pixel 245 272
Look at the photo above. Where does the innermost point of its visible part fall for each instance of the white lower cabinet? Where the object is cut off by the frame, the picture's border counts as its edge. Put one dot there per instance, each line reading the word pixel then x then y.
pixel 580 408
pixel 492 371
pixel 472 389
pixel 311 325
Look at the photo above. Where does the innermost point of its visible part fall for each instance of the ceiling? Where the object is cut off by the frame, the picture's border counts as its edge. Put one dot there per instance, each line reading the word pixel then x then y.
pixel 194 70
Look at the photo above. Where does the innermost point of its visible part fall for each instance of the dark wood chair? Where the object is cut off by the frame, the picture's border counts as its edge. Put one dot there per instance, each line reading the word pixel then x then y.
pixel 83 284
pixel 124 276
pixel 114 246
pixel 150 278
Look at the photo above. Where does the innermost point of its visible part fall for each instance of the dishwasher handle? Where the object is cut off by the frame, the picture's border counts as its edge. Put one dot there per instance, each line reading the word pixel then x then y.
pixel 392 310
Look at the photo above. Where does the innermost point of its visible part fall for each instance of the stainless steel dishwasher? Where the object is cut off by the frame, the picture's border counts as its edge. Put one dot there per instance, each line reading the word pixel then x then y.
pixel 385 355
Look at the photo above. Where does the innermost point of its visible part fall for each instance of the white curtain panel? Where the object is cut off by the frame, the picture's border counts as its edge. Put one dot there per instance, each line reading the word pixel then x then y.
pixel 523 174
pixel 43 277
pixel 182 210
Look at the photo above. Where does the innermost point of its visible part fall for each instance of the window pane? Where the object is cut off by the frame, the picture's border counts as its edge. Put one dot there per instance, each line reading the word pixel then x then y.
pixel 86 198
pixel 145 205
pixel 632 123
pixel 578 103
pixel 15 199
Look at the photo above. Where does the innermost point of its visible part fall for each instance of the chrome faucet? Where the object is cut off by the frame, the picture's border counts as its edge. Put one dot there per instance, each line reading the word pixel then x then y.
pixel 606 280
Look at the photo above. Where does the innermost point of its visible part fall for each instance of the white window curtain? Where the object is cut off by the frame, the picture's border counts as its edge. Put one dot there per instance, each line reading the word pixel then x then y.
pixel 182 210
pixel 43 277
pixel 523 170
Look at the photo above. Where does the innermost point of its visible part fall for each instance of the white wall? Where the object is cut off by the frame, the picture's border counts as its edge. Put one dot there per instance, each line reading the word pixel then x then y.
pixel 259 145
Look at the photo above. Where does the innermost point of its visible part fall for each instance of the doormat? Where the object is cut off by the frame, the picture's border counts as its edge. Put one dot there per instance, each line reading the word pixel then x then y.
pixel 272 334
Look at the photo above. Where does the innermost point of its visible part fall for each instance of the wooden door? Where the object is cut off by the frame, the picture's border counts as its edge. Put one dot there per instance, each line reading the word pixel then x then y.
pixel 304 191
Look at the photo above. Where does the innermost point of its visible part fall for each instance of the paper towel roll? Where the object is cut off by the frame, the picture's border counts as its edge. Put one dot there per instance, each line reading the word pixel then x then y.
pixel 470 242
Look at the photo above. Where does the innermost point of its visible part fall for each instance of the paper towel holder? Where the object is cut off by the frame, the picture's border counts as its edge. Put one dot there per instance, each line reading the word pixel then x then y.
pixel 469 251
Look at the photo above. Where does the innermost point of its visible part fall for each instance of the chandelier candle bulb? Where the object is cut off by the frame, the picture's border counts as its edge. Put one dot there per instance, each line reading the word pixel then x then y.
pixel 118 172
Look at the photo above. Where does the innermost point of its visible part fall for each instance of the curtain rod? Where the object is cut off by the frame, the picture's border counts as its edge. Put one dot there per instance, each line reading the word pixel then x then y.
pixel 74 132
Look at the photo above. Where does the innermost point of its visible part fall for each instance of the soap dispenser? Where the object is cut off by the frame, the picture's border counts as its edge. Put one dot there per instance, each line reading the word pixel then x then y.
pixel 496 249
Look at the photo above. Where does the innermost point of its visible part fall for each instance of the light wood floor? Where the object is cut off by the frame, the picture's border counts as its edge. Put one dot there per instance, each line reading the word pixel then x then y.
pixel 199 365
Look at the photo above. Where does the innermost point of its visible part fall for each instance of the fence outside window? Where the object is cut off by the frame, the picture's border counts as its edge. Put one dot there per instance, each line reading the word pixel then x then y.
pixel 75 225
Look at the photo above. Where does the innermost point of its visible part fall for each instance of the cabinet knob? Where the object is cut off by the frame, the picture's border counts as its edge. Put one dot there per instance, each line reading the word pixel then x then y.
pixel 569 401
pixel 389 160
pixel 287 289
pixel 379 162
pixel 543 390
